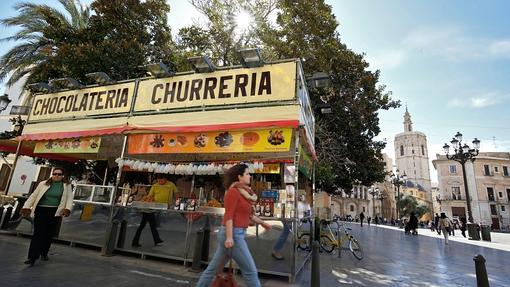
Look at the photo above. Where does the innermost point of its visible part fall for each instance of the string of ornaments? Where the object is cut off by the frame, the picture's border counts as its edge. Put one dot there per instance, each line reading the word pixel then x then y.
pixel 183 169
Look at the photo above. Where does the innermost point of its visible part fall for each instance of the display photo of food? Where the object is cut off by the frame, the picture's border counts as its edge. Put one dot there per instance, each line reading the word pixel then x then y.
pixel 250 138
pixel 224 139
pixel 276 137
pixel 172 142
pixel 200 140
pixel 182 140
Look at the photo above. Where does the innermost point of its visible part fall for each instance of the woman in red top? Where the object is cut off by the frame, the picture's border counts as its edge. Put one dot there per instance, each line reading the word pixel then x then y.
pixel 231 236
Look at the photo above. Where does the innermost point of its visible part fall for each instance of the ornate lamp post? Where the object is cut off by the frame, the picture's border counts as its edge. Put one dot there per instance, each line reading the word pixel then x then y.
pixel 398 179
pixel 463 154
pixel 381 197
pixel 373 191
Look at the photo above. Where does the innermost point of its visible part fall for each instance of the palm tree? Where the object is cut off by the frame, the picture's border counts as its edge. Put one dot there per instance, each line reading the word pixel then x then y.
pixel 43 30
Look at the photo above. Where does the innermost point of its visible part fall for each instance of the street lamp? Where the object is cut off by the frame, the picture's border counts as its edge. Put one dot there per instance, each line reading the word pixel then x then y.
pixel 398 179
pixel 381 197
pixel 373 191
pixel 463 154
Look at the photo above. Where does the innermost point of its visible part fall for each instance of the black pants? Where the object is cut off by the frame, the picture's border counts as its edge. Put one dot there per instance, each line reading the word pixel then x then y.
pixel 45 227
pixel 151 218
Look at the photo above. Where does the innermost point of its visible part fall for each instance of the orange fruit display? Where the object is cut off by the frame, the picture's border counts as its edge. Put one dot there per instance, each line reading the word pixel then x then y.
pixel 250 138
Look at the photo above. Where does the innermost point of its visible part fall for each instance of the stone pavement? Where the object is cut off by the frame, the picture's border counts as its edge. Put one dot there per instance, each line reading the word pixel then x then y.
pixel 391 259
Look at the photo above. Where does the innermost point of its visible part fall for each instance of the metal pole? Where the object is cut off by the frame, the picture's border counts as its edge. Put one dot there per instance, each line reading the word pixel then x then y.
pixel 398 202
pixel 13 166
pixel 482 279
pixel 111 232
pixel 468 199
pixel 316 269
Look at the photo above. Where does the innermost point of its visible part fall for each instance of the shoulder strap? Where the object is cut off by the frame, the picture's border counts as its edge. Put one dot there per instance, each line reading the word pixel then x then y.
pixel 227 256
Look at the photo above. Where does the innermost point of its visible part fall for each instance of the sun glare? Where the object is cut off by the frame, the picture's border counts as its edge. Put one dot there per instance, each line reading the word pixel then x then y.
pixel 243 20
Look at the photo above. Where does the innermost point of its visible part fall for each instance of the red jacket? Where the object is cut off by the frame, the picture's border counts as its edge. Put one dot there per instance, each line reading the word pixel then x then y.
pixel 237 208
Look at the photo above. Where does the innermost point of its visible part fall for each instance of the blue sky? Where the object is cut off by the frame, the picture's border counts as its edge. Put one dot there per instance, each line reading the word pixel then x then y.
pixel 448 60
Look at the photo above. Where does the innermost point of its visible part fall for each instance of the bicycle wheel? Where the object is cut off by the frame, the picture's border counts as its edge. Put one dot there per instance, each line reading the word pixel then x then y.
pixel 304 242
pixel 327 244
pixel 355 248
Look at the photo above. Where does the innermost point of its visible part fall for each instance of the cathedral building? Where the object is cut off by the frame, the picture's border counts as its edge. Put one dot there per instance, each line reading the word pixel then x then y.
pixel 411 157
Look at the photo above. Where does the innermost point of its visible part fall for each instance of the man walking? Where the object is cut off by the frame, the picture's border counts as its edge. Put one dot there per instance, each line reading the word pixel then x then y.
pixel 436 224
pixel 361 218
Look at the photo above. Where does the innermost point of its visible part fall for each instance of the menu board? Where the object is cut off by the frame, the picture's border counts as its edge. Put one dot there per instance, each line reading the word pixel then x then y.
pixel 260 140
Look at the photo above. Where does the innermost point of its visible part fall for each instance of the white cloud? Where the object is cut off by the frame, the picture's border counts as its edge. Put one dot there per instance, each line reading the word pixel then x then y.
pixel 476 102
pixel 387 60
pixel 500 48
pixel 449 43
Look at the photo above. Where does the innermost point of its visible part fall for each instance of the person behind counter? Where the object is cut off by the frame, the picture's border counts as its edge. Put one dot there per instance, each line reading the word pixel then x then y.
pixel 52 199
pixel 231 236
pixel 163 191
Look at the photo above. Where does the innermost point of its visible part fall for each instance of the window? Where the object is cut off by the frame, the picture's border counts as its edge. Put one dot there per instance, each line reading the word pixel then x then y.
pixel 401 150
pixel 456 193
pixel 486 170
pixel 422 150
pixel 500 194
pixel 502 208
pixel 352 208
pixel 505 171
pixel 412 151
pixel 494 210
pixel 453 169
pixel 363 209
pixel 496 169
pixel 508 194
pixel 490 193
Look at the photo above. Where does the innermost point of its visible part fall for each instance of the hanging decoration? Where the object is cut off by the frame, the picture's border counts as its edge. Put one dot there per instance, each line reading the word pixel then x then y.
pixel 183 169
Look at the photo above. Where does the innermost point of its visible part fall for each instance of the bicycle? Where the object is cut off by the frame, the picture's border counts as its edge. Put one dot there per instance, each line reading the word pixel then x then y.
pixel 328 239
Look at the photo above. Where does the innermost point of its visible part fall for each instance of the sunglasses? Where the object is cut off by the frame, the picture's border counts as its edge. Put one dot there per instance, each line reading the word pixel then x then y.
pixel 58 174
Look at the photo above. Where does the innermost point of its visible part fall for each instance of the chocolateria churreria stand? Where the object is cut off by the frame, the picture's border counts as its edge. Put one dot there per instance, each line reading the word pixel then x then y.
pixel 190 127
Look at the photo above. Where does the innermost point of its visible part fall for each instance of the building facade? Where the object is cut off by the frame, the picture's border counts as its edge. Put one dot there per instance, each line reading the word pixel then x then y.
pixel 488 180
pixel 411 158
pixel 352 203
pixel 411 155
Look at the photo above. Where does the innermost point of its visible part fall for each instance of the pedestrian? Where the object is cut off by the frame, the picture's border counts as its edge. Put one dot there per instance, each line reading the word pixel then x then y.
pixel 436 224
pixel 361 218
pixel 445 226
pixel 463 225
pixel 303 208
pixel 413 224
pixel 52 199
pixel 368 220
pixel 452 228
pixel 163 191
pixel 376 220
pixel 231 235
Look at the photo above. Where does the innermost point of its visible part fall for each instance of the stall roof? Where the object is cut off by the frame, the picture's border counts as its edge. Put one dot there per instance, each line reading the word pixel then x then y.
pixel 74 128
pixel 27 149
pixel 277 116
pixel 243 118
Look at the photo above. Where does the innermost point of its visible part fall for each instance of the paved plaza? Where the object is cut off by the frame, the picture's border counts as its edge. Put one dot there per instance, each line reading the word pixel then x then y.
pixel 391 259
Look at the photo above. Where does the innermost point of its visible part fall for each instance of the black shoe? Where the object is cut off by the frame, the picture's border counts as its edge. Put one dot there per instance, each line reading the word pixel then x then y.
pixel 136 245
pixel 44 258
pixel 31 262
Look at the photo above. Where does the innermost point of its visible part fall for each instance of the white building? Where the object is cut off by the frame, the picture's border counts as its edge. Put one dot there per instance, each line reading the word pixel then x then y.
pixel 488 181
pixel 411 154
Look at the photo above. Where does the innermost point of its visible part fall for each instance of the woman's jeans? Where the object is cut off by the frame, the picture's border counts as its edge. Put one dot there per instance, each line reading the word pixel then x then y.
pixel 241 255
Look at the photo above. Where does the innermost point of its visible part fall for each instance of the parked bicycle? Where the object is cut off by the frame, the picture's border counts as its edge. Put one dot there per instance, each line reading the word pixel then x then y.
pixel 329 239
